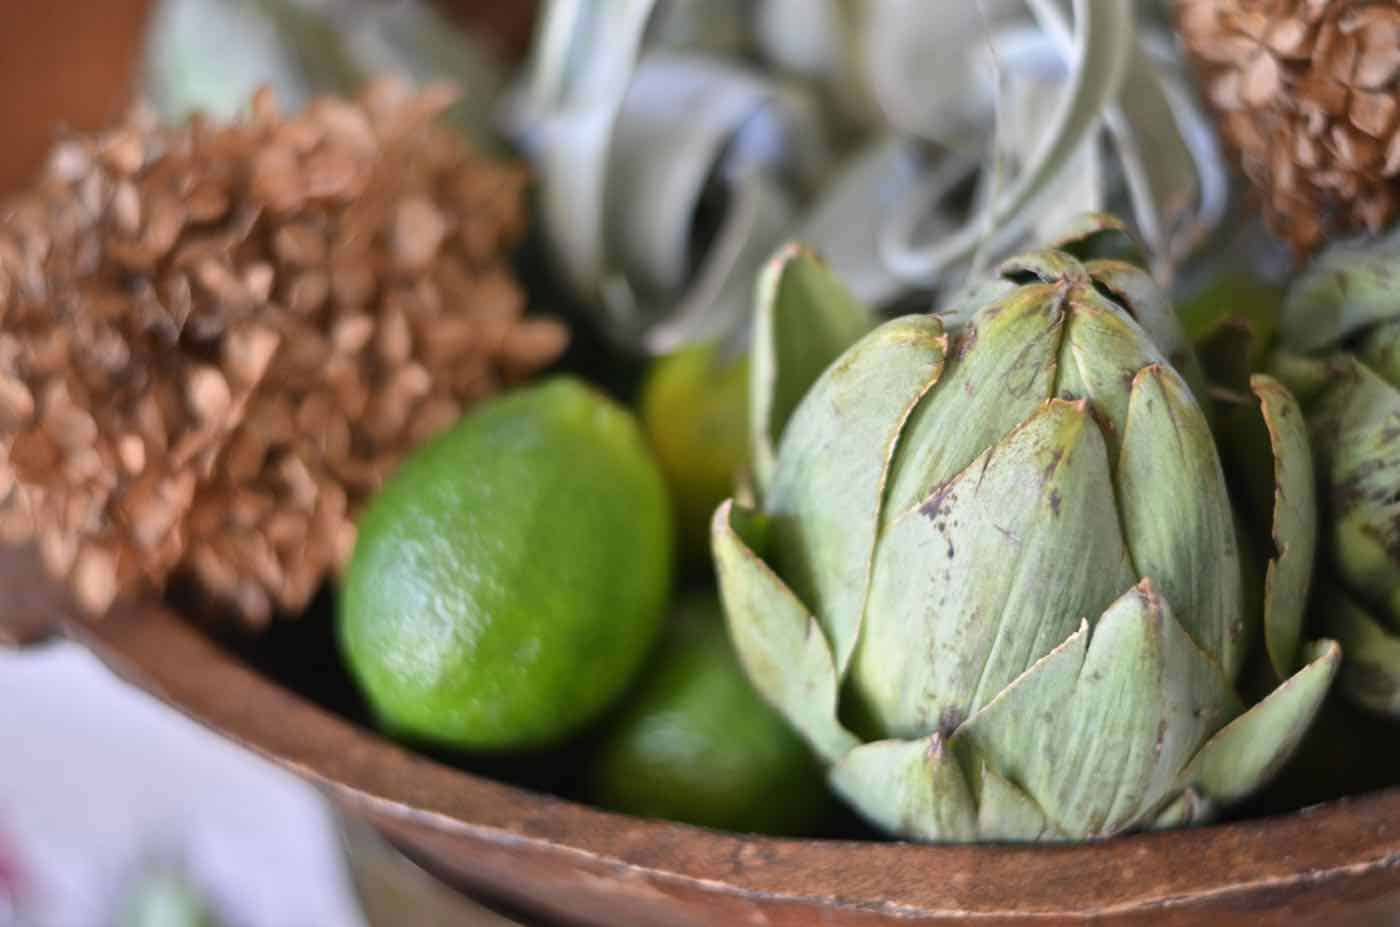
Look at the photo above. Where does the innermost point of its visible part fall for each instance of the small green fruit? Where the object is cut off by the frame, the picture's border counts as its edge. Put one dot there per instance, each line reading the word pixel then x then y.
pixel 695 743
pixel 510 579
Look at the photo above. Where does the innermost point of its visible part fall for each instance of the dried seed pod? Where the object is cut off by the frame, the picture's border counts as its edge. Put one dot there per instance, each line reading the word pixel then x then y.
pixel 1307 93
pixel 219 339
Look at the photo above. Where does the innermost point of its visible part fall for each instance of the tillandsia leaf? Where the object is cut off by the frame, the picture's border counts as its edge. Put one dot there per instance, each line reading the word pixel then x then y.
pixel 1103 44
pixel 804 318
pixel 1343 290
pixel 994 569
pixel 912 787
pixel 1002 368
pixel 784 651
pixel 1294 528
pixel 1177 517
pixel 1371 674
pixel 824 496
pixel 1098 731
pixel 1175 173
pixel 1251 749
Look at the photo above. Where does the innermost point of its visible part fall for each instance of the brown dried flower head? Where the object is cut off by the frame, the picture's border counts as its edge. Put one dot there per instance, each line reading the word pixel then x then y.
pixel 217 340
pixel 1307 92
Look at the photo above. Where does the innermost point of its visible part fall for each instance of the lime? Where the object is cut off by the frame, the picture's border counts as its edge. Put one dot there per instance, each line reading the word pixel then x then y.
pixel 511 577
pixel 695 743
pixel 695 410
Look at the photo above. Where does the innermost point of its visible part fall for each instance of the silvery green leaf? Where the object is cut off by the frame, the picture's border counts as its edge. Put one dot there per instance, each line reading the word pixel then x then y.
pixel 1371 671
pixel 1294 530
pixel 679 113
pixel 1097 732
pixel 804 318
pixel 1162 172
pixel 1251 749
pixel 1080 184
pixel 1342 291
pixel 930 66
pixel 1177 517
pixel 1103 44
pixel 845 217
pixel 563 116
pixel 829 480
pixel 943 631
pixel 783 650
pixel 717 302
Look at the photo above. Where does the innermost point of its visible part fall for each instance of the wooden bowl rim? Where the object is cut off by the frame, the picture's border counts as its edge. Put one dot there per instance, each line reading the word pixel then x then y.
pixel 166 656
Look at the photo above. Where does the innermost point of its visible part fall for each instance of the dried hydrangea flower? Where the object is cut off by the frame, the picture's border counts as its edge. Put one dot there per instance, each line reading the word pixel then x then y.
pixel 216 340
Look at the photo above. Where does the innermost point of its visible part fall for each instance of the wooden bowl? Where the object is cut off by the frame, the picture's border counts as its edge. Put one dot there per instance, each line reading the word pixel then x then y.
pixel 1337 863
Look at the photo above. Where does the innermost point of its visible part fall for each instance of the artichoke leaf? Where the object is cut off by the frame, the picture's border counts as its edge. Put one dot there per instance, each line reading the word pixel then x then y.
pixel 1103 350
pixel 1380 351
pixel 1150 307
pixel 1245 754
pixel 825 493
pixel 804 318
pixel 1006 812
pixel 783 650
pixel 1092 235
pixel 1371 672
pixel 910 787
pixel 1098 731
pixel 1356 430
pixel 1001 370
pixel 1177 517
pixel 1345 289
pixel 1185 810
pixel 997 567
pixel 1294 529
pixel 1048 266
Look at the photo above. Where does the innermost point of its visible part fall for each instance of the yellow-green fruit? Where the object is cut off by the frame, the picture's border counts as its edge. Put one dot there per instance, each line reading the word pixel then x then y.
pixel 512 576
pixel 695 743
pixel 695 410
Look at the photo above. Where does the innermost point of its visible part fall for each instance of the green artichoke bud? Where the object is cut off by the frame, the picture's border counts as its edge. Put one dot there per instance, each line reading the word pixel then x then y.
pixel 1340 332
pixel 993 576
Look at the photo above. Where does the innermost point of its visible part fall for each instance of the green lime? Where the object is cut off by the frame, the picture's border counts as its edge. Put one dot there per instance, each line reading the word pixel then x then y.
pixel 695 410
pixel 512 576
pixel 695 743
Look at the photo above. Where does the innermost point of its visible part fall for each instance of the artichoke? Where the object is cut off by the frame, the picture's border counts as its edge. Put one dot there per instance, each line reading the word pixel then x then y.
pixel 1340 332
pixel 993 575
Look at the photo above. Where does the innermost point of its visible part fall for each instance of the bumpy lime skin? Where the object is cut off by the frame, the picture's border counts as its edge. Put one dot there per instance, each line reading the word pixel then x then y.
pixel 512 576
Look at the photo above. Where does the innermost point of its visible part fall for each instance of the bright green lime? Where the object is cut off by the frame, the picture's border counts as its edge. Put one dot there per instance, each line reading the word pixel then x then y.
pixel 695 743
pixel 512 576
pixel 695 410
